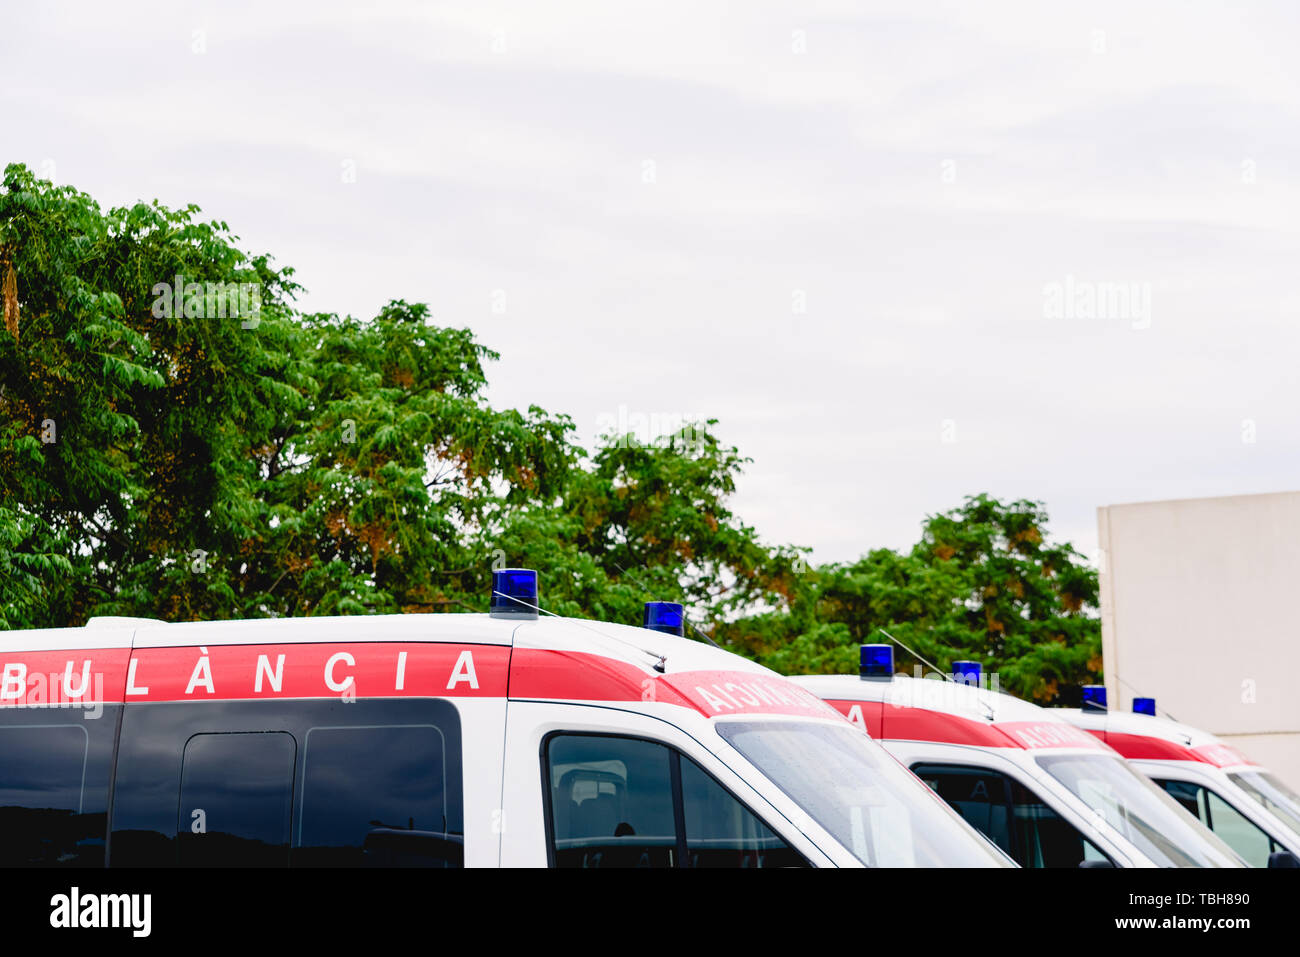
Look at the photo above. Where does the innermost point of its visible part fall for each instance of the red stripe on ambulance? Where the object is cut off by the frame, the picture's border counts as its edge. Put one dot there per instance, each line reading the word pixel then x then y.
pixel 84 676
pixel 920 724
pixel 1145 747
pixel 865 714
pixel 363 670
pixel 381 670
pixel 552 675
pixel 577 676
pixel 1049 734
pixel 1220 755
pixel 887 722
pixel 1140 747
pixel 717 693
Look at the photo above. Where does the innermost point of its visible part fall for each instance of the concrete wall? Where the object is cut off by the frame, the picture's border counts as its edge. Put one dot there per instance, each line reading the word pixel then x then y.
pixel 1200 609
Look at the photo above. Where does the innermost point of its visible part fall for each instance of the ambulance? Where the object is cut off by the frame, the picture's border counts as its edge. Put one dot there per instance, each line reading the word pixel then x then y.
pixel 1243 803
pixel 1045 792
pixel 500 739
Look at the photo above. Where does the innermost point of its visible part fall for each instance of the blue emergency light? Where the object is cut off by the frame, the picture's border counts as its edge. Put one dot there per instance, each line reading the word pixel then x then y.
pixel 1094 698
pixel 1144 706
pixel 966 672
pixel 876 662
pixel 665 616
pixel 514 593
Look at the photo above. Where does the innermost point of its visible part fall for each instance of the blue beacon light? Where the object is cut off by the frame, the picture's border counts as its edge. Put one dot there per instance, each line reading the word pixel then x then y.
pixel 1144 706
pixel 876 662
pixel 665 616
pixel 1094 698
pixel 514 593
pixel 967 672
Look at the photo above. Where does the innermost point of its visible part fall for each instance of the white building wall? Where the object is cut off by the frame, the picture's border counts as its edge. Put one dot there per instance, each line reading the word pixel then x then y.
pixel 1200 609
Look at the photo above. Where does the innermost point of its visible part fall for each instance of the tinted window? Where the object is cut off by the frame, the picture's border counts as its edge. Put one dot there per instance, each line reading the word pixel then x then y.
pixel 1190 796
pixel 1044 838
pixel 627 802
pixel 43 767
pixel 979 796
pixel 42 773
pixel 611 802
pixel 236 795
pixel 370 782
pixel 1234 828
pixel 1010 815
pixel 722 832
pixel 376 796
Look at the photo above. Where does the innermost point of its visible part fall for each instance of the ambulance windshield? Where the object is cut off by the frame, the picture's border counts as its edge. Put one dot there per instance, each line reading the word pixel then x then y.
pixel 1139 810
pixel 867 801
pixel 1272 793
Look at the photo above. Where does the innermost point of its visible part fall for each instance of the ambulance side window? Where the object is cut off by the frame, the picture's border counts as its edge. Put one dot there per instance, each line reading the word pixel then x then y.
pixel 1235 829
pixel 1043 837
pixel 1010 815
pixel 376 797
pixel 722 832
pixel 236 797
pixel 629 802
pixel 47 816
pixel 611 802
pixel 369 782
pixel 1190 796
pixel 978 795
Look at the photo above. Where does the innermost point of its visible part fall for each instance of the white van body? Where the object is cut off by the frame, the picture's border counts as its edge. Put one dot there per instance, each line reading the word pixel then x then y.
pixel 1213 774
pixel 936 727
pixel 297 741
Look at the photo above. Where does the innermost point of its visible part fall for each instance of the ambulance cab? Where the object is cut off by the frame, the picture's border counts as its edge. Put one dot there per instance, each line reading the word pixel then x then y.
pixel 500 739
pixel 1047 794
pixel 1254 813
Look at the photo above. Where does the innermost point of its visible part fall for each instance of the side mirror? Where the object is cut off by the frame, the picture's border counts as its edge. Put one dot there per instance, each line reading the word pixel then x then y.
pixel 1102 863
pixel 1283 859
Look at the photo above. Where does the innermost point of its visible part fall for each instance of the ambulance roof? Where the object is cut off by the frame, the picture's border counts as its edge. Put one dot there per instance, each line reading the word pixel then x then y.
pixel 639 646
pixel 1127 722
pixel 948 712
pixel 951 697
pixel 1149 737
pixel 549 658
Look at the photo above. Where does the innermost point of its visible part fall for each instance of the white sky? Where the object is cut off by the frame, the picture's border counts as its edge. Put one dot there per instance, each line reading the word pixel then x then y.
pixel 913 173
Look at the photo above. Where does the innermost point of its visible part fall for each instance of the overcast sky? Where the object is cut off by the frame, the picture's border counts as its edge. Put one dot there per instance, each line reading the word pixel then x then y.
pixel 845 230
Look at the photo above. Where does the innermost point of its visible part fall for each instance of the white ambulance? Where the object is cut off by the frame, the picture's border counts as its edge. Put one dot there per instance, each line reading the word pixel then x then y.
pixel 1254 813
pixel 501 739
pixel 1046 793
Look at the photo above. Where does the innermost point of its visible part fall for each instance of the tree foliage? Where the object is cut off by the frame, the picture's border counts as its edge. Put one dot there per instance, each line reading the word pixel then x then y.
pixel 983 583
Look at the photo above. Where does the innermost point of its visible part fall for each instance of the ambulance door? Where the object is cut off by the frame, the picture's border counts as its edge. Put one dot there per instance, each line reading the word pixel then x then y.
pixel 1220 806
pixel 595 786
pixel 1013 809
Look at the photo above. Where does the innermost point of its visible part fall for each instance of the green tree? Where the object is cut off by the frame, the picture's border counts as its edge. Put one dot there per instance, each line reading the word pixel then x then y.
pixel 983 583
pixel 121 433
pixel 155 462
pixel 376 490
pixel 648 521
pixel 160 463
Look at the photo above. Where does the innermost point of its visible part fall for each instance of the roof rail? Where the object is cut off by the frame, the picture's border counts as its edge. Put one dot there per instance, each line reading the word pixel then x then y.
pixel 120 621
